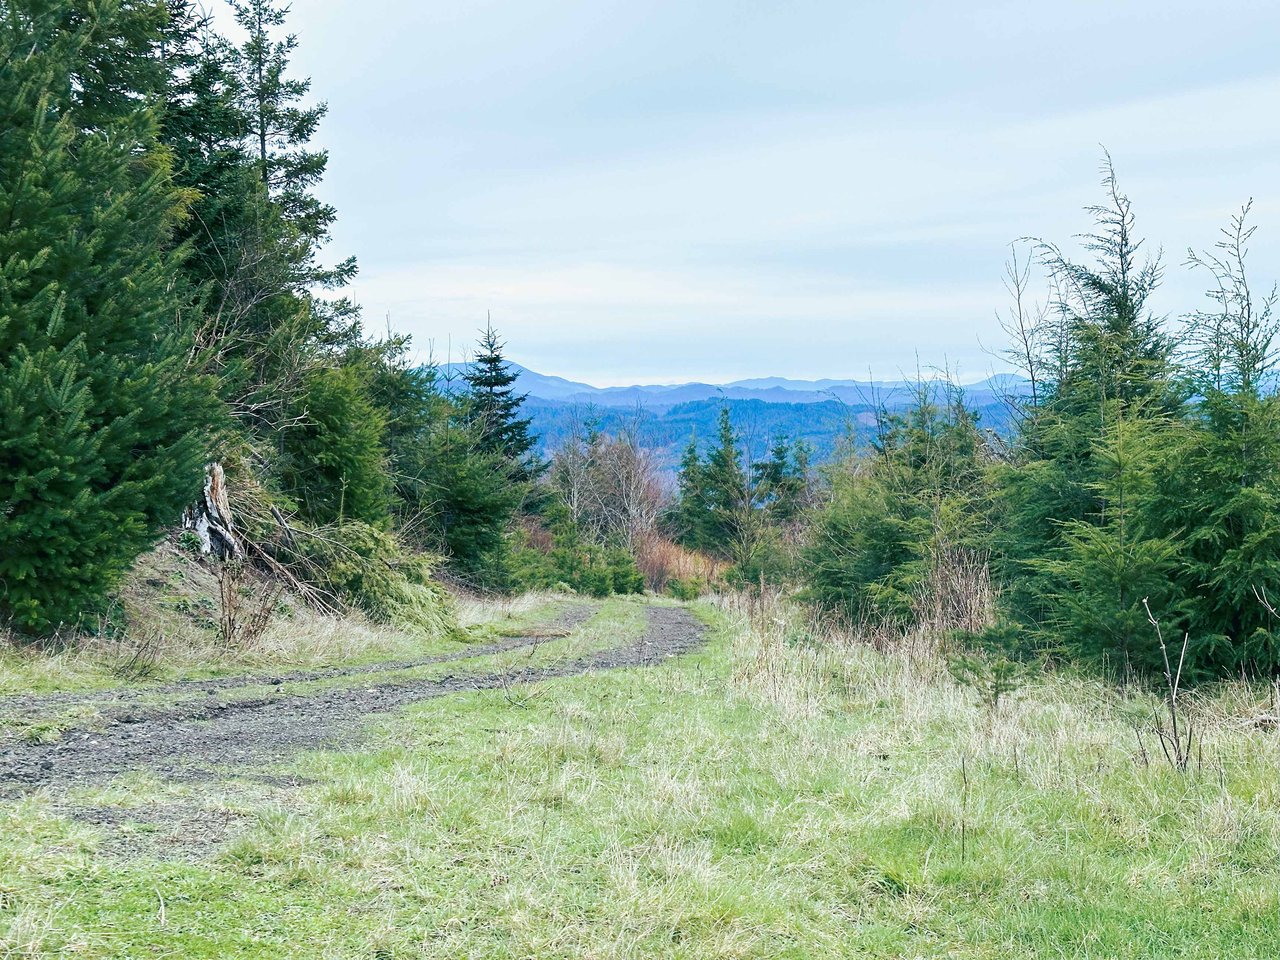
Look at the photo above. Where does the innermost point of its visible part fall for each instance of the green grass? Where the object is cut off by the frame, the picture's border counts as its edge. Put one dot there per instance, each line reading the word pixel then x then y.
pixel 616 621
pixel 300 641
pixel 767 797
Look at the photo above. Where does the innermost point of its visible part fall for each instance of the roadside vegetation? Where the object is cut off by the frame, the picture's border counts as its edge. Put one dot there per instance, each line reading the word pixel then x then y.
pixel 789 791
pixel 966 692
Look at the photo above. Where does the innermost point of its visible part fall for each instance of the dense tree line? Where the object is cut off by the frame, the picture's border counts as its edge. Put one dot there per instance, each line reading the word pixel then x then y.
pixel 165 302
pixel 1141 481
pixel 747 514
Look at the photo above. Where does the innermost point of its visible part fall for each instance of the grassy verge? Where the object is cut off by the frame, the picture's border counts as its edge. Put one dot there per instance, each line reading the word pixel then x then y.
pixel 297 639
pixel 616 622
pixel 771 796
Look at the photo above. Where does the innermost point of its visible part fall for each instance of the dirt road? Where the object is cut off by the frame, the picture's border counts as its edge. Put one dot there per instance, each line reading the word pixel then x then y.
pixel 210 735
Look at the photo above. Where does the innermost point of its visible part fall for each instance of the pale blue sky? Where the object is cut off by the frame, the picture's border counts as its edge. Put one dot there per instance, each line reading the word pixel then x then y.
pixel 667 191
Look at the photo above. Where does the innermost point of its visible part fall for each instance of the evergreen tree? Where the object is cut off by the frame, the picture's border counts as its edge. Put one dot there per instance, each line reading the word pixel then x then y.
pixel 1111 347
pixel 97 442
pixel 408 398
pixel 334 460
pixel 256 231
pixel 121 56
pixel 715 509
pixel 452 495
pixel 470 500
pixel 279 125
pixel 1107 357
pixel 1113 563
pixel 494 409
pixel 726 490
pixel 205 125
pixel 781 482
pixel 1219 496
pixel 724 509
pixel 1218 490
pixel 898 515
pixel 687 517
pixel 857 542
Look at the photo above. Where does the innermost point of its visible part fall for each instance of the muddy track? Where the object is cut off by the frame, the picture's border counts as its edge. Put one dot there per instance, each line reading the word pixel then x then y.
pixel 32 706
pixel 199 740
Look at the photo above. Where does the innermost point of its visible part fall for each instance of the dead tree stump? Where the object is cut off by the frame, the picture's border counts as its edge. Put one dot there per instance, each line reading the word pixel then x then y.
pixel 210 519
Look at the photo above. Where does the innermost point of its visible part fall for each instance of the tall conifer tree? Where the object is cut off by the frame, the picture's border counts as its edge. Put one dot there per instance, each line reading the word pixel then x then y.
pixel 97 449
pixel 689 513
pixel 1108 360
pixel 494 408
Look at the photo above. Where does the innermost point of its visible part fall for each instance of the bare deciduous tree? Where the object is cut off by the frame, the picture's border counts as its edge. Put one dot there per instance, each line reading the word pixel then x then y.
pixel 1025 323
pixel 610 484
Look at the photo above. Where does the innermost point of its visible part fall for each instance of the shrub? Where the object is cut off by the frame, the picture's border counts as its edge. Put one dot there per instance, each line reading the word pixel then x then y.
pixel 566 557
pixel 365 567
pixel 686 589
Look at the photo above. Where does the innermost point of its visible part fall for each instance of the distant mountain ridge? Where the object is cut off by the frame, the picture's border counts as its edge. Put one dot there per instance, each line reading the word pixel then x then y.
pixel 826 414
pixel 890 393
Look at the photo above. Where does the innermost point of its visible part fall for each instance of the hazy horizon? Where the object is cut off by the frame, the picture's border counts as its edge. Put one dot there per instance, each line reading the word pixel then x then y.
pixel 711 192
pixel 904 376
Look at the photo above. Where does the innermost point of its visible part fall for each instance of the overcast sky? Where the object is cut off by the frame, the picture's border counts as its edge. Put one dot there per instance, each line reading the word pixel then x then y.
pixel 669 191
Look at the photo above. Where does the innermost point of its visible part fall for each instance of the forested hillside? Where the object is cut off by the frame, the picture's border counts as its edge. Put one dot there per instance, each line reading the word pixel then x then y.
pixel 178 354
pixel 830 416
pixel 307 649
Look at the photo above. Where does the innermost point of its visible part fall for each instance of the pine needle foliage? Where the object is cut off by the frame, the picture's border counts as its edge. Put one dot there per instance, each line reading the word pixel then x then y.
pixel 98 442
pixel 895 510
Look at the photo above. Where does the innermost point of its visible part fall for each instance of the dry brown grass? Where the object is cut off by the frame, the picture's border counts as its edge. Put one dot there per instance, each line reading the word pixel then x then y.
pixel 661 561
pixel 802 663
pixel 171 617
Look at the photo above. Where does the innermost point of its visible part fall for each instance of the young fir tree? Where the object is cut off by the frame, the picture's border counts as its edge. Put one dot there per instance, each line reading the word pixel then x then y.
pixel 335 460
pixel 1218 491
pixel 469 499
pixel 450 495
pixel 781 482
pixel 1107 358
pixel 725 494
pixel 494 409
pixel 407 397
pixel 97 441
pixel 1113 564
pixel 205 125
pixel 688 514
pixel 914 501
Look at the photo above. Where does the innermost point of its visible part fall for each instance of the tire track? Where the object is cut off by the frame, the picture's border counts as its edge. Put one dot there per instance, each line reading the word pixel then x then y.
pixel 32 707
pixel 216 740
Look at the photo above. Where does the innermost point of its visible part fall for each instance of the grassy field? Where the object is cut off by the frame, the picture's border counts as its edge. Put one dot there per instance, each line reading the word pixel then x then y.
pixel 775 795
